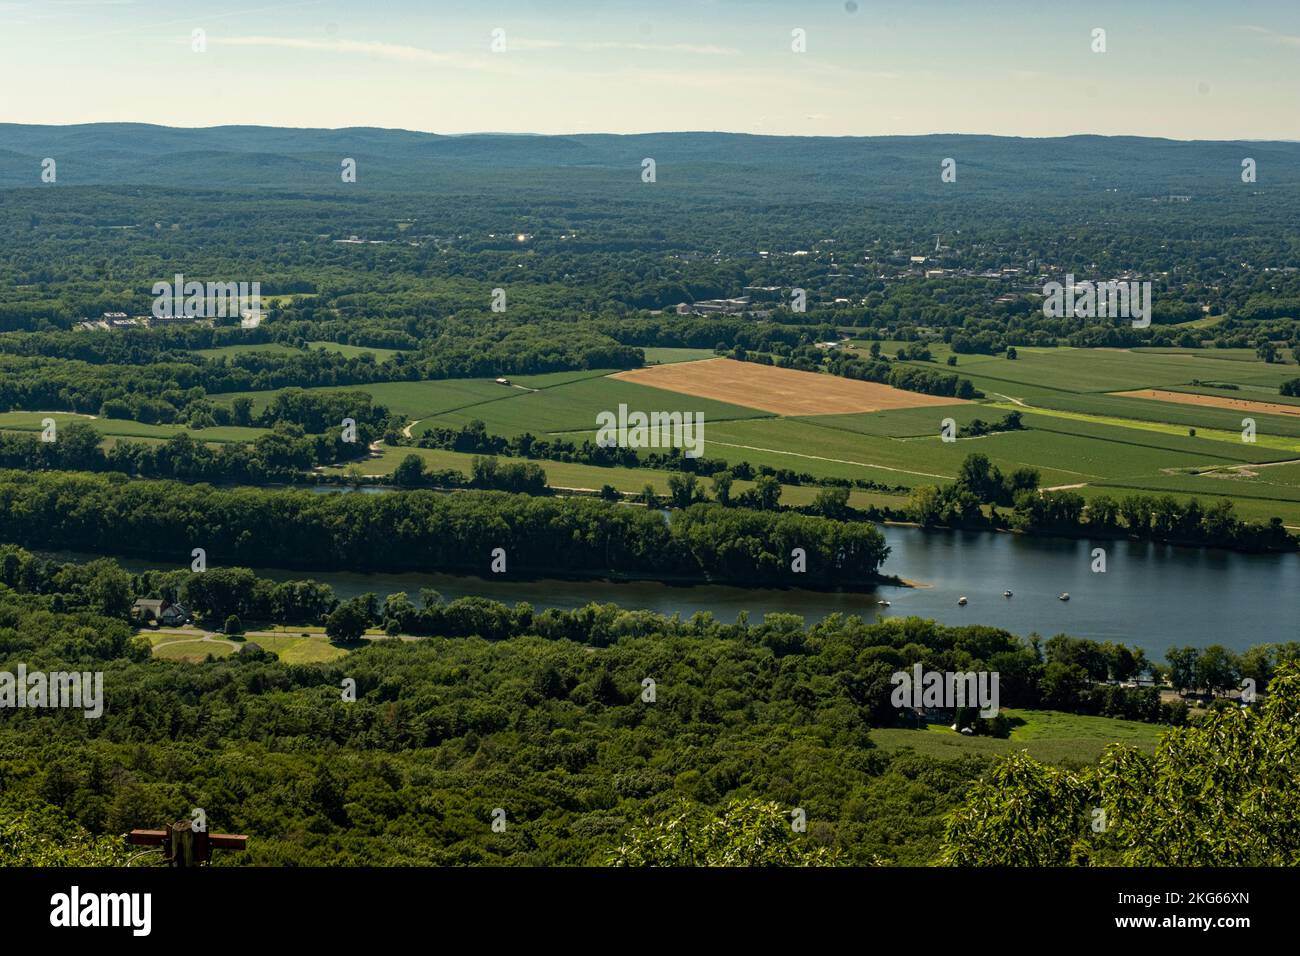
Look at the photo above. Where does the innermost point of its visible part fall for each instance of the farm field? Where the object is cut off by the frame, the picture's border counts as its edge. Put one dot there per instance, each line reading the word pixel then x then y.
pixel 1228 448
pixel 782 391
pixel 573 475
pixel 1246 405
pixel 1266 447
pixel 1222 355
pixel 125 428
pixel 1080 430
pixel 352 351
pixel 1121 409
pixel 1254 392
pixel 1060 458
pixel 906 422
pixel 1113 370
pixel 574 406
pixel 665 356
pixel 1065 452
pixel 1263 487
pixel 412 399
pixel 552 379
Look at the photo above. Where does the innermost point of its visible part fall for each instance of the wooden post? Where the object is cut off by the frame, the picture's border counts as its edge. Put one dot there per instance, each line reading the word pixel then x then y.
pixel 184 846
pixel 181 844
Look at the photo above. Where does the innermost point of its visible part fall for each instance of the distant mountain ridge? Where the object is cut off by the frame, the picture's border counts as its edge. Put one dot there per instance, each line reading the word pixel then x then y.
pixel 254 157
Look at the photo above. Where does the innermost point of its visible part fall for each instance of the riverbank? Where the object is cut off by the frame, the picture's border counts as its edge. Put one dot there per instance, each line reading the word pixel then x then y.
pixel 1150 596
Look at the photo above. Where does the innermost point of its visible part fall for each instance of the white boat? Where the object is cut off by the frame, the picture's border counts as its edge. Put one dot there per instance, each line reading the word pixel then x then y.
pixel 882 604
pixel 962 600
pixel 1065 596
pixel 1006 594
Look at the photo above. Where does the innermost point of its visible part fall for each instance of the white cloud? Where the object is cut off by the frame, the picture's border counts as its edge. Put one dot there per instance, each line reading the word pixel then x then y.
pixel 385 51
pixel 1286 39
pixel 706 49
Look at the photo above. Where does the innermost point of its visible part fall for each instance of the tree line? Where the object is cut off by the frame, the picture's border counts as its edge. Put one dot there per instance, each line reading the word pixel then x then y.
pixel 1146 517
pixel 427 530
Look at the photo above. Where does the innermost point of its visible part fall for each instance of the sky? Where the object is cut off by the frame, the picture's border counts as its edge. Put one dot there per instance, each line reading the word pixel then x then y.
pixel 1183 69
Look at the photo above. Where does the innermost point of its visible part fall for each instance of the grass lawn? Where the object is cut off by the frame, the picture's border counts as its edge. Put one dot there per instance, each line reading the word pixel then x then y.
pixel 192 651
pixel 289 645
pixel 1048 736
pixel 296 649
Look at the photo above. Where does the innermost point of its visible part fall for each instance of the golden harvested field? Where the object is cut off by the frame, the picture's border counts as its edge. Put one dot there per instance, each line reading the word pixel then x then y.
pixel 783 391
pixel 1214 401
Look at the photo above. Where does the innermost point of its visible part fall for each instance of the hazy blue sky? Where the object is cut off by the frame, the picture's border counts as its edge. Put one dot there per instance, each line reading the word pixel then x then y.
pixel 1187 69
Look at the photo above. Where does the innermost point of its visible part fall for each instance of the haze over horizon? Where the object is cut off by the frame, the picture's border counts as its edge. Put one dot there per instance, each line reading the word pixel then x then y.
pixel 1198 70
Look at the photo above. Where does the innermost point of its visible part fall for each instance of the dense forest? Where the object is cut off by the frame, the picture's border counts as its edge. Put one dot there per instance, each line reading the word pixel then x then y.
pixel 421 530
pixel 547 715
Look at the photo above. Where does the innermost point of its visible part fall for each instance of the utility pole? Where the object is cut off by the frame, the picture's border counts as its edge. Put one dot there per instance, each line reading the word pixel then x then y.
pixel 185 846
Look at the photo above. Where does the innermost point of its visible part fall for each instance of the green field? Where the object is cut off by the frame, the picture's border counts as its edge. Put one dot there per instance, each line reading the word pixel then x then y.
pixel 178 649
pixel 552 379
pixel 593 477
pixel 1249 393
pixel 412 399
pixel 667 356
pixel 123 428
pixel 292 648
pixel 352 351
pixel 1227 355
pixel 1108 370
pixel 1076 434
pixel 296 649
pixel 274 348
pixel 1047 735
pixel 573 407
pixel 906 422
pixel 1061 458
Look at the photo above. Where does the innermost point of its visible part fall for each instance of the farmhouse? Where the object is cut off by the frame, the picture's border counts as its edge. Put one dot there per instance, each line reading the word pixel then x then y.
pixel 162 611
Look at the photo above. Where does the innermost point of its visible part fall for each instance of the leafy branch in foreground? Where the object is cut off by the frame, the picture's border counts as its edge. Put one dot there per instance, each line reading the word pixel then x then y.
pixel 746 833
pixel 1221 792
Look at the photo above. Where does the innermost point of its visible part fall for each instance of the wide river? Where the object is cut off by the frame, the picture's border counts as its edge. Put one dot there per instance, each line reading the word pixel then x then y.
pixel 1150 596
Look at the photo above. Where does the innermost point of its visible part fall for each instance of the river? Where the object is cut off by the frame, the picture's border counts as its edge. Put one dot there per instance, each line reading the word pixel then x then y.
pixel 1151 596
